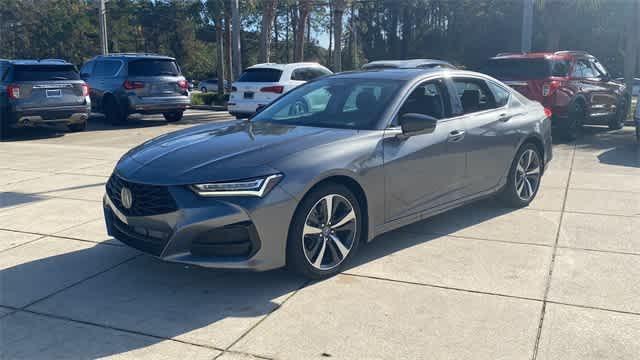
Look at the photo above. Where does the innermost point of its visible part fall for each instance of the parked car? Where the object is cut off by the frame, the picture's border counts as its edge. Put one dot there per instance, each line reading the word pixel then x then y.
pixel 42 92
pixel 306 185
pixel 636 85
pixel 574 85
pixel 212 85
pixel 261 84
pixel 128 83
pixel 407 64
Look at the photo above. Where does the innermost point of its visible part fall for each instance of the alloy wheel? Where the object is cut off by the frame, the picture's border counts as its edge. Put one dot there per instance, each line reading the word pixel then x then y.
pixel 329 232
pixel 527 174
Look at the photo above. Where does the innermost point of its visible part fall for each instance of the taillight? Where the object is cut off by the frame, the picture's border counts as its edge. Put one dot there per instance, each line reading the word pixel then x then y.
pixel 13 91
pixel 278 89
pixel 131 85
pixel 547 112
pixel 550 87
pixel 184 85
pixel 85 90
pixel 234 89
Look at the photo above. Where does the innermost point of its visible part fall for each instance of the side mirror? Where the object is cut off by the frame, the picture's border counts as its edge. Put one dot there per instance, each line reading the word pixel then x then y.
pixel 416 124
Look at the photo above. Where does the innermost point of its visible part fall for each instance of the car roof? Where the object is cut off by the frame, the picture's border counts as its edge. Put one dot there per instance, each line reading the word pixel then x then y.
pixel 284 66
pixel 406 74
pixel 565 54
pixel 39 62
pixel 412 63
pixel 134 56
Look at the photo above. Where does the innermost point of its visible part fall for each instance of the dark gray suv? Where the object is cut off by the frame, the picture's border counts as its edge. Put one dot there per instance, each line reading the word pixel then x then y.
pixel 39 92
pixel 124 84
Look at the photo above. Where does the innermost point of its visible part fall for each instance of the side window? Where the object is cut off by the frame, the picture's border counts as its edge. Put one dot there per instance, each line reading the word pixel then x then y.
pixel 601 69
pixel 299 74
pixel 500 94
pixel 474 95
pixel 313 102
pixel 106 68
pixel 87 69
pixel 583 69
pixel 429 98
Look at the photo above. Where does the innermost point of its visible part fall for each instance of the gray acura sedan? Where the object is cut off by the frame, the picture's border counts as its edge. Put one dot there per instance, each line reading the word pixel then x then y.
pixel 327 167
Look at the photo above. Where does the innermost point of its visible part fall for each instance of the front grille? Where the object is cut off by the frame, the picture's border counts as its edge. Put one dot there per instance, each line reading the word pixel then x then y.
pixel 147 199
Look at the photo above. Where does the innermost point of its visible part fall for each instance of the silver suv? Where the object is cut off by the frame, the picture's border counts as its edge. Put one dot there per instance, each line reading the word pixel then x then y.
pixel 132 83
pixel 39 92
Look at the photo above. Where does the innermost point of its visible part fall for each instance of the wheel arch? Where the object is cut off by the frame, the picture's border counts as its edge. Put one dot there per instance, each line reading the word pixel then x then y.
pixel 354 186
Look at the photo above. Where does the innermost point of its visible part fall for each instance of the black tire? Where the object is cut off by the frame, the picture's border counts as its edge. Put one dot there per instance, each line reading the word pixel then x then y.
pixel 638 132
pixel 571 129
pixel 203 89
pixel 5 130
pixel 617 120
pixel 300 247
pixel 78 127
pixel 173 116
pixel 114 113
pixel 511 194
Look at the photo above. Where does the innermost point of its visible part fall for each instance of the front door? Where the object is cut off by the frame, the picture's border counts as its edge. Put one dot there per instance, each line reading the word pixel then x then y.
pixel 425 170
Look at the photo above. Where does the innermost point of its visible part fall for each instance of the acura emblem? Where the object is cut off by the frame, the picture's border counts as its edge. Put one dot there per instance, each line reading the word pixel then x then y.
pixel 126 197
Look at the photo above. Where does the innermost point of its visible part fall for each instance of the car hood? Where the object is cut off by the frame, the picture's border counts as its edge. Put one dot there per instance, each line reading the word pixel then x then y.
pixel 220 152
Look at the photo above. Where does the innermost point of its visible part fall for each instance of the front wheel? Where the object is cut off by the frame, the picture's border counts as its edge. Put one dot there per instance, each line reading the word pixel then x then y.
pixel 78 127
pixel 617 121
pixel 114 113
pixel 173 116
pixel 572 127
pixel 203 89
pixel 325 232
pixel 524 177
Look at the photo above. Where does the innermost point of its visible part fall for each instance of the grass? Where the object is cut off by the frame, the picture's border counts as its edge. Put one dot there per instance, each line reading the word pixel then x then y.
pixel 634 103
pixel 209 99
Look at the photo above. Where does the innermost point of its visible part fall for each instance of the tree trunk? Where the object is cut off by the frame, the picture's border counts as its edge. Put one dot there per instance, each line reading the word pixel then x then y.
pixel 220 53
pixel 227 47
pixel 304 7
pixel 265 34
pixel 330 57
pixel 406 31
pixel 630 58
pixel 338 12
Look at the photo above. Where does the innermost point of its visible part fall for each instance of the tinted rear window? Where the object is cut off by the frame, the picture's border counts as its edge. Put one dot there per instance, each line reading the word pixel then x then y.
pixel 45 72
pixel 526 68
pixel 153 67
pixel 260 75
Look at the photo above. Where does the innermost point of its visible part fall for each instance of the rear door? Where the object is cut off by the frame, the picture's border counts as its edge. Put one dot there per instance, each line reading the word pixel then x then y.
pixel 48 85
pixel 258 85
pixel 490 132
pixel 155 78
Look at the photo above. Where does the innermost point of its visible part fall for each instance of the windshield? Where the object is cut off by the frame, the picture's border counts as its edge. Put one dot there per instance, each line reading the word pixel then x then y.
pixel 260 75
pixel 334 103
pixel 153 67
pixel 526 69
pixel 45 72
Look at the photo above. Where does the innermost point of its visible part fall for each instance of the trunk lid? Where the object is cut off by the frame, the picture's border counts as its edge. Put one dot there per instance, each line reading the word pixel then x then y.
pixel 155 78
pixel 48 85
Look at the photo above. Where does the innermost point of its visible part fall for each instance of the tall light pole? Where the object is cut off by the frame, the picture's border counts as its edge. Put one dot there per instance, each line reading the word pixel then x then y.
pixel 102 20
pixel 527 25
pixel 235 41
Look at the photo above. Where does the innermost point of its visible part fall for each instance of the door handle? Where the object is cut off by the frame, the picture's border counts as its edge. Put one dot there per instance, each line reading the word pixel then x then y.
pixel 456 135
pixel 505 117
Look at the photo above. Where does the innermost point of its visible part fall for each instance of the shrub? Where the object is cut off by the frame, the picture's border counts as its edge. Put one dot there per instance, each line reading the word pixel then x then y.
pixel 209 99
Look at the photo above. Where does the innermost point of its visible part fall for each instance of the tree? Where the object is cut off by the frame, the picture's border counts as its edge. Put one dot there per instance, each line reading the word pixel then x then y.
pixel 304 8
pixel 338 12
pixel 215 9
pixel 269 11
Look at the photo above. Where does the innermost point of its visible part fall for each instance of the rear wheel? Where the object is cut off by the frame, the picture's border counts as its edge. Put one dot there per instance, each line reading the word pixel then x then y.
pixel 113 112
pixel 78 127
pixel 524 177
pixel 617 121
pixel 173 116
pixel 4 124
pixel 325 232
pixel 203 89
pixel 572 128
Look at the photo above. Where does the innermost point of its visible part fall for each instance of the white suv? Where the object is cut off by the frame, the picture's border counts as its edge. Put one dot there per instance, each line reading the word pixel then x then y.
pixel 261 84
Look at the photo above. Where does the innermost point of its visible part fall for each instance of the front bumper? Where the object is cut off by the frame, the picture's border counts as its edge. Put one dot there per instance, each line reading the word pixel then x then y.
pixel 157 104
pixel 246 233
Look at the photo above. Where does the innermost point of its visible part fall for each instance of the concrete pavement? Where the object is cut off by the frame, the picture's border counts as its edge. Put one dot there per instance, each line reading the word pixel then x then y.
pixel 557 280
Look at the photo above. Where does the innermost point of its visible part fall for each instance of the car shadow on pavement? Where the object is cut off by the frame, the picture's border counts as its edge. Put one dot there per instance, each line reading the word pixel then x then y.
pixel 429 229
pixel 141 296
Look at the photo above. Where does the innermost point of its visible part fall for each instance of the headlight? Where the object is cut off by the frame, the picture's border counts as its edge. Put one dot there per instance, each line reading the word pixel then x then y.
pixel 251 187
